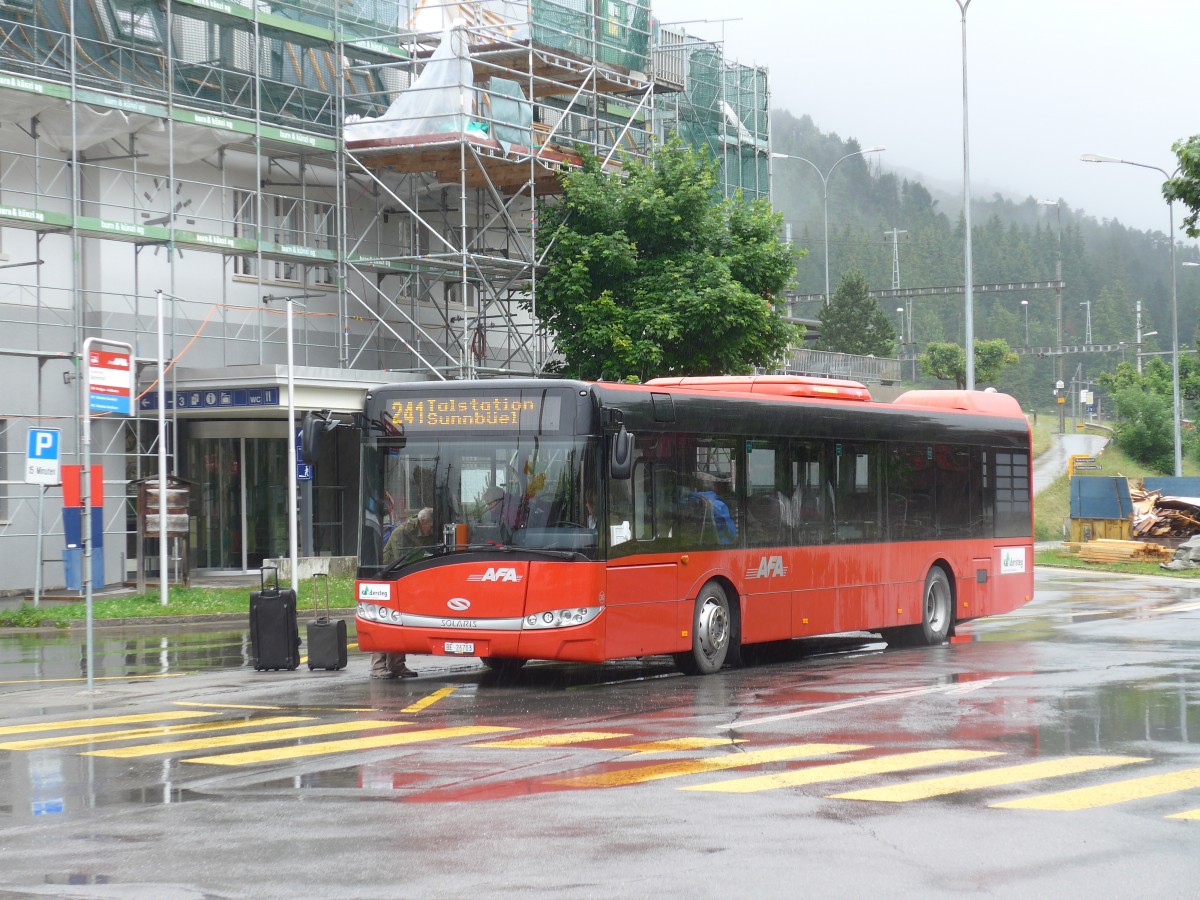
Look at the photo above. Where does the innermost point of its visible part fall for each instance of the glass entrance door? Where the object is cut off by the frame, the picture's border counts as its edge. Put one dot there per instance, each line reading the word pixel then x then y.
pixel 242 509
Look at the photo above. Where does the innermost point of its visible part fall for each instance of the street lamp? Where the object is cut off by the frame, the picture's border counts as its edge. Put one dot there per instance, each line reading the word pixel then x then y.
pixel 1025 306
pixel 968 276
pixel 293 525
pixel 824 176
pixel 1177 406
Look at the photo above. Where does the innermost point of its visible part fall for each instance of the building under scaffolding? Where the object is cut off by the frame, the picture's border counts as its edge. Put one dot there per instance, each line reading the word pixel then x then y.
pixel 375 165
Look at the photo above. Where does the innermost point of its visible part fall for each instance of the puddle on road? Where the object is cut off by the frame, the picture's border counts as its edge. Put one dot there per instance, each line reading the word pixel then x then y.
pixel 42 656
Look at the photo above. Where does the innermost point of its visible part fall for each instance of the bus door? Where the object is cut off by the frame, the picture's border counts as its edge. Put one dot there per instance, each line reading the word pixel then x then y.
pixel 643 568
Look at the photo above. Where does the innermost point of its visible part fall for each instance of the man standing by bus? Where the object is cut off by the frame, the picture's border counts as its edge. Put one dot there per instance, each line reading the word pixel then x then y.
pixel 416 532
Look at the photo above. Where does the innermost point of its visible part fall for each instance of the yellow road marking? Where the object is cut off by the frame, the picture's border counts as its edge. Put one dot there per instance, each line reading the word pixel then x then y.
pixel 328 709
pixel 899 762
pixel 1110 794
pixel 325 748
pixel 430 700
pixel 100 721
pixel 103 737
pixel 555 740
pixel 96 678
pixel 973 781
pixel 676 744
pixel 640 774
pixel 233 740
pixel 1190 814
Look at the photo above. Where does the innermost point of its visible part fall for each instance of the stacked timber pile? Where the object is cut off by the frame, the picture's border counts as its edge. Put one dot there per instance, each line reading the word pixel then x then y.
pixel 1105 550
pixel 1155 515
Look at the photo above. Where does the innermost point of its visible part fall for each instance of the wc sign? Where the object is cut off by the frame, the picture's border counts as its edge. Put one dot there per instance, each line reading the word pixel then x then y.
pixel 43 461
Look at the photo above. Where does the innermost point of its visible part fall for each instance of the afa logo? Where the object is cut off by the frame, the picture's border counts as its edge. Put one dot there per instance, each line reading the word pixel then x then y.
pixel 496 574
pixel 768 567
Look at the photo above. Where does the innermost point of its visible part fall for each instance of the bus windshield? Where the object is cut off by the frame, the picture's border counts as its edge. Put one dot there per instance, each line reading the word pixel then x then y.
pixel 428 495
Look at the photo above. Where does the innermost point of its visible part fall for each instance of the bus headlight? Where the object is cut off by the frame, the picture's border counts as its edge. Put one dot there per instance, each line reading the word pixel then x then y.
pixel 562 618
pixel 373 613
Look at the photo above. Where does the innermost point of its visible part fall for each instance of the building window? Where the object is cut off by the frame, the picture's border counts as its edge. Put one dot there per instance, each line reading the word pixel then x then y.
pixel 288 223
pixel 135 20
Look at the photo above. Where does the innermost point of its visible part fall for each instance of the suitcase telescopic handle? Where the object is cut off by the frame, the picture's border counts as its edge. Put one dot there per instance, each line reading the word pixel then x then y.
pixel 317 594
pixel 262 576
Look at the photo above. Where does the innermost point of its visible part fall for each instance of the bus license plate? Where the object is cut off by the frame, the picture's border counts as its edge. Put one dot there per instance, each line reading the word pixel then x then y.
pixel 464 647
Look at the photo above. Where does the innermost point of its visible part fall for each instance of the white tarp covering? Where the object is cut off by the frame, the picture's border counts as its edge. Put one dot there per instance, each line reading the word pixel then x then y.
pixel 94 125
pixel 440 101
pixel 484 19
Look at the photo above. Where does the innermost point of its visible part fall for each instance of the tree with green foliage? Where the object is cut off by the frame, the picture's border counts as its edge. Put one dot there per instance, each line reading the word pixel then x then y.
pixel 1185 186
pixel 948 362
pixel 649 272
pixel 854 322
pixel 1145 407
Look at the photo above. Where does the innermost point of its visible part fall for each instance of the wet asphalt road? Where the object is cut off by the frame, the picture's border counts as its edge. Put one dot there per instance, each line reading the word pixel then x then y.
pixel 1050 752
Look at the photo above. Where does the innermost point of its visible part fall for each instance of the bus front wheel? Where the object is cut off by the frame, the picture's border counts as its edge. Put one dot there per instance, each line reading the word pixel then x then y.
pixel 502 664
pixel 712 633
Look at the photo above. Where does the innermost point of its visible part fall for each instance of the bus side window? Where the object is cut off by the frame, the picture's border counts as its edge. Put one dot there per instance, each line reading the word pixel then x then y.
pixel 808 509
pixel 767 495
pixel 859 501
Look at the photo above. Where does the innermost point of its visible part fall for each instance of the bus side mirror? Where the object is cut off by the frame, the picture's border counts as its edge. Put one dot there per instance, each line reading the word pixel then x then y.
pixel 620 463
pixel 311 427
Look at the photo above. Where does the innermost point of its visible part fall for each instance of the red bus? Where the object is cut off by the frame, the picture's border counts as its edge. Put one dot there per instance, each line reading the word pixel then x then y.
pixel 688 516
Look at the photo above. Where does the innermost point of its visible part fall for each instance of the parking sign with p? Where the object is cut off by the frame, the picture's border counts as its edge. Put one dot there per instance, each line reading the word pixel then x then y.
pixel 43 462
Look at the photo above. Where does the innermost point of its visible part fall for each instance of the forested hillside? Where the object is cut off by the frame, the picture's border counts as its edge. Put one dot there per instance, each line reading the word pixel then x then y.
pixel 1104 264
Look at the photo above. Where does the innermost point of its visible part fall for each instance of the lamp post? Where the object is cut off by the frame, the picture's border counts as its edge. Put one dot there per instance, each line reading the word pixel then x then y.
pixel 1025 306
pixel 968 276
pixel 1177 408
pixel 293 525
pixel 824 176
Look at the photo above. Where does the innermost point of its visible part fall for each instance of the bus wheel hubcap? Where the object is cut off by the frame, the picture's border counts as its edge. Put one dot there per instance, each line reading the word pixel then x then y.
pixel 713 630
pixel 936 608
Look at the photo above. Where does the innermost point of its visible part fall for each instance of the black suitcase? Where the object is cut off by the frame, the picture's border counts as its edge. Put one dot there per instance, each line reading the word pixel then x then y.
pixel 326 636
pixel 274 634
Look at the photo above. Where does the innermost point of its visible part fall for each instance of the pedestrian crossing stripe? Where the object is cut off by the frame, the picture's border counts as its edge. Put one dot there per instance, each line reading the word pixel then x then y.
pixel 641 774
pixel 101 721
pixel 561 739
pixel 104 737
pixel 1109 794
pixel 350 745
pixel 233 740
pixel 677 744
pixel 881 765
pixel 1190 814
pixel 428 701
pixel 973 781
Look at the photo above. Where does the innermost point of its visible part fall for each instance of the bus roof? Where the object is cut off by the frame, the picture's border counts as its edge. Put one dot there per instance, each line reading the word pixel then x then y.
pixel 776 385
pixel 987 403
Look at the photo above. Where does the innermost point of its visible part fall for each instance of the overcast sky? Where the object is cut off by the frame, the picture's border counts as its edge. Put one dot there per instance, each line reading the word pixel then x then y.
pixel 1047 81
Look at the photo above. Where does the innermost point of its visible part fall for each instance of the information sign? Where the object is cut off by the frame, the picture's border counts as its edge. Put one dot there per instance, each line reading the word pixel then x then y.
pixel 110 382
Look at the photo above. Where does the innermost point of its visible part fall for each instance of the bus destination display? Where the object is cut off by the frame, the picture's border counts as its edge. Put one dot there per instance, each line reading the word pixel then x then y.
pixel 483 412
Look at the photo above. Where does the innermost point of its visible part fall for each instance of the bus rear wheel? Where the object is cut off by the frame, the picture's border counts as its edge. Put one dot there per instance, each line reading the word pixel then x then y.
pixel 712 633
pixel 937 615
